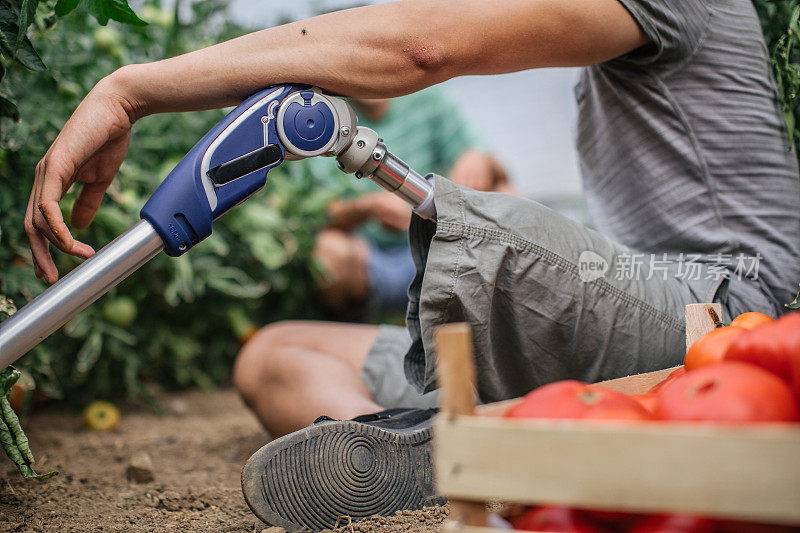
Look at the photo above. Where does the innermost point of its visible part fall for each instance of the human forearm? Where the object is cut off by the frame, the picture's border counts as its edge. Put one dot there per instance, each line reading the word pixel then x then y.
pixel 386 50
pixel 365 52
pixel 347 215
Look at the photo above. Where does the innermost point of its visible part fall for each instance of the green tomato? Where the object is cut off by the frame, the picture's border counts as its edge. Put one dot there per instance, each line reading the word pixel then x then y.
pixel 108 39
pixel 101 416
pixel 120 311
pixel 155 15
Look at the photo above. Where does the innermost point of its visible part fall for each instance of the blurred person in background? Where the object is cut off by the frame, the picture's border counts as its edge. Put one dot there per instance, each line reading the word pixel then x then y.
pixel 364 251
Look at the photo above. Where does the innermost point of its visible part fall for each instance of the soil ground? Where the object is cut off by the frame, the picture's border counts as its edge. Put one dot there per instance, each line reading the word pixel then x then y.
pixel 197 451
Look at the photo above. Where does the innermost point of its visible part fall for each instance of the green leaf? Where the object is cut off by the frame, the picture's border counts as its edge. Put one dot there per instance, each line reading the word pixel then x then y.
pixel 8 108
pixel 26 13
pixel 24 52
pixel 64 7
pixel 7 13
pixel 118 10
pixel 8 28
pixel 28 56
pixel 89 352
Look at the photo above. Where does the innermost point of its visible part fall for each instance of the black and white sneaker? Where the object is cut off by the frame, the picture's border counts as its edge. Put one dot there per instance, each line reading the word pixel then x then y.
pixel 372 465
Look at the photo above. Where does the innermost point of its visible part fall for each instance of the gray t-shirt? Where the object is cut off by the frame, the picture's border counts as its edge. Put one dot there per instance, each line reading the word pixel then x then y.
pixel 683 148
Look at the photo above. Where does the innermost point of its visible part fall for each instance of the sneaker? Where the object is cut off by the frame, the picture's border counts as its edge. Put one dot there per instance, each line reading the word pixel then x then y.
pixel 375 464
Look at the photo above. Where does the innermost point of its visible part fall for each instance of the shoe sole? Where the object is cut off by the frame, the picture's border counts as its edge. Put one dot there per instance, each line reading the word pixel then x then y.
pixel 310 479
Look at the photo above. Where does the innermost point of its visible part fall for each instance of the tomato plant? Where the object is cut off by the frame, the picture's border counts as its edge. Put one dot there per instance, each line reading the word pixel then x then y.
pixel 175 322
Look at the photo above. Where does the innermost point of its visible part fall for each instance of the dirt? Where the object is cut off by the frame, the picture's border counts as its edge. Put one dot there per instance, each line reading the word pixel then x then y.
pixel 195 451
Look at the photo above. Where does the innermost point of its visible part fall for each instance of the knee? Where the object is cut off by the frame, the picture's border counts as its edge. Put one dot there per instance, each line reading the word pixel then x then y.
pixel 334 251
pixel 260 362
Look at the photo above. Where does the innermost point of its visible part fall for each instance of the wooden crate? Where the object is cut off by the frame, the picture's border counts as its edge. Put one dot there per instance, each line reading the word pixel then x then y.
pixel 745 473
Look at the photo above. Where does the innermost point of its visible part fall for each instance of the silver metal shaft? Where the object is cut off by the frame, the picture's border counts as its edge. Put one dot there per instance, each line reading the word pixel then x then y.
pixel 367 157
pixel 394 175
pixel 74 292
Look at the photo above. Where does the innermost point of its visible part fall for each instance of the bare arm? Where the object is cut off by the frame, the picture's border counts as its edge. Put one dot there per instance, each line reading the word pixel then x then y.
pixel 382 206
pixel 347 215
pixel 390 49
pixel 376 51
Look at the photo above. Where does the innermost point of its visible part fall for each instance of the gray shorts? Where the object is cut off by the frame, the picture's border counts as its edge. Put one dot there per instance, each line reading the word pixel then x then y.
pixel 548 298
pixel 384 375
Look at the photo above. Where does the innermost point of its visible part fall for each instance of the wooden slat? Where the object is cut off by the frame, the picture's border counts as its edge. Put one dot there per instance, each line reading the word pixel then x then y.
pixel 496 408
pixel 700 319
pixel 638 384
pixel 456 375
pixel 456 369
pixel 739 473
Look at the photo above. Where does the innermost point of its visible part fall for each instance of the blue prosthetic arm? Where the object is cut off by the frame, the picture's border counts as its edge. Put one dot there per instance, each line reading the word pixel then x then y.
pixel 182 209
pixel 224 168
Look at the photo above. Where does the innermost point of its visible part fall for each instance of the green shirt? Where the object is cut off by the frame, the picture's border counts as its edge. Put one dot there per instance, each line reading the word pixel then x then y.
pixel 424 129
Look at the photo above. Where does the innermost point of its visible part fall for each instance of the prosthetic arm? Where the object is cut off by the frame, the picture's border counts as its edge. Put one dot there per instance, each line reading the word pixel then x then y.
pixel 228 165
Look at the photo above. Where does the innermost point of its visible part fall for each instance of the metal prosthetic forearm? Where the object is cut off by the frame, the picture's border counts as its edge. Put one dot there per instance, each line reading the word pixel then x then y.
pixel 368 157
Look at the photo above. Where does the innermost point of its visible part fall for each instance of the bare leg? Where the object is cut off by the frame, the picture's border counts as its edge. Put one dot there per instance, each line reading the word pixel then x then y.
pixel 344 259
pixel 290 373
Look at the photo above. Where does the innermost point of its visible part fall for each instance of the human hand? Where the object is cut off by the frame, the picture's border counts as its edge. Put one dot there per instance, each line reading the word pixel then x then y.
pixel 474 170
pixel 389 210
pixel 89 149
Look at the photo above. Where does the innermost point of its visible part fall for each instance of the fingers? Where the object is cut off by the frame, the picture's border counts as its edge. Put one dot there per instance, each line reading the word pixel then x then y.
pixel 43 265
pixel 97 175
pixel 49 227
pixel 61 235
pixel 87 204
pixel 42 262
pixel 90 147
pixel 51 221
pixel 44 223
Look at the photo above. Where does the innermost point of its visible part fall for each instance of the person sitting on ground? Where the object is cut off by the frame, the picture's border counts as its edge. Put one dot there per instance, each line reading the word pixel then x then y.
pixel 364 250
pixel 684 157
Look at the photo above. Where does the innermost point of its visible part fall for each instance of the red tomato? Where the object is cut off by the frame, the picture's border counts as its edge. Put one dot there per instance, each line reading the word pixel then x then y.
pixel 728 392
pixel 573 399
pixel 796 379
pixel 674 523
pixel 551 518
pixel 774 347
pixel 675 374
pixel 613 520
pixel 711 347
pixel 648 401
pixel 734 526
pixel 751 320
